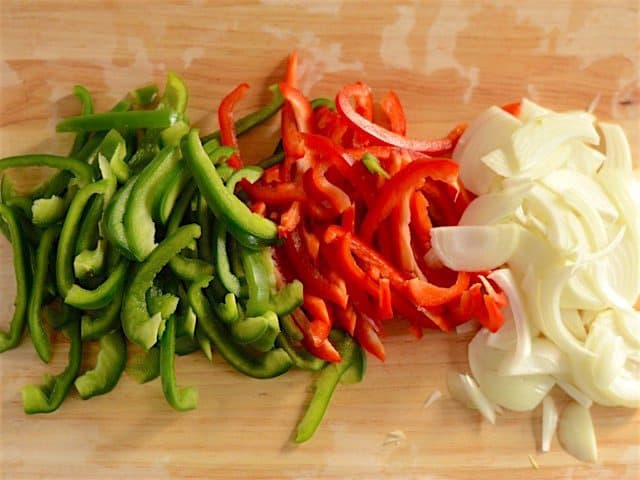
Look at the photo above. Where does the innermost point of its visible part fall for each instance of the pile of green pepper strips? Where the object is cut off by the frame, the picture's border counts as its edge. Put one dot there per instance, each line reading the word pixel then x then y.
pixel 140 236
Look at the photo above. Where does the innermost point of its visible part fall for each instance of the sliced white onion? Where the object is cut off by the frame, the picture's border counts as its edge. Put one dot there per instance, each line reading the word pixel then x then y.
pixel 491 130
pixel 575 393
pixel 549 422
pixel 540 137
pixel 576 433
pixel 530 110
pixel 618 153
pixel 495 207
pixel 474 248
pixel 464 389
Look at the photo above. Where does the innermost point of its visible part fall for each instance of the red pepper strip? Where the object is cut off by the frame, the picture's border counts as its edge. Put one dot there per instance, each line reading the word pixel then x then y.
pixel 443 209
pixel 259 207
pixel 384 298
pixel 384 241
pixel 227 126
pixel 427 294
pixel 455 134
pixel 495 317
pixel 321 321
pixel 313 281
pixel 300 104
pixel 278 194
pixel 289 220
pixel 348 220
pixel 311 242
pixel 420 316
pixel 330 153
pixel 387 137
pixel 367 337
pixel 406 180
pixel 359 285
pixel 420 221
pixel 291 140
pixel 392 108
pixel 346 318
pixel 325 350
pixel 401 237
pixel 291 77
pixel 271 175
pixel 324 192
pixel 513 108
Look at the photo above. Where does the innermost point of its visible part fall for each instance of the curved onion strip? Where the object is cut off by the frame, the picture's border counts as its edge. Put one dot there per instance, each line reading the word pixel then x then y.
pixel 517 392
pixel 491 130
pixel 576 434
pixel 549 422
pixel 541 136
pixel 504 279
pixel 474 248
pixel 618 153
pixel 495 207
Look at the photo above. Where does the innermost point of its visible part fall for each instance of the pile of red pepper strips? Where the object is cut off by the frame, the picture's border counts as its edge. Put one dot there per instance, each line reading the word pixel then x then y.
pixel 357 236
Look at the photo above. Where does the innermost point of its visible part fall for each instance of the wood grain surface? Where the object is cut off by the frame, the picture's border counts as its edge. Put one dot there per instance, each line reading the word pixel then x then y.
pixel 447 60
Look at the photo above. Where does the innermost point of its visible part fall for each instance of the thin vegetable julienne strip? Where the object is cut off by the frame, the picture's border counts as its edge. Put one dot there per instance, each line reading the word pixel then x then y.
pixel 97 122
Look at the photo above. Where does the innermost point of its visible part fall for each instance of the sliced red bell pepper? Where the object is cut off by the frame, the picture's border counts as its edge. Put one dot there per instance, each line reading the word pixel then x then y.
pixel 346 318
pixel 325 351
pixel 289 220
pixel 227 126
pixel 392 108
pixel 385 303
pixel 344 106
pixel 367 337
pixel 420 221
pixel 313 280
pixel 427 294
pixel 321 320
pixel 274 194
pixel 318 188
pixel 406 180
pixel 291 77
pixel 513 108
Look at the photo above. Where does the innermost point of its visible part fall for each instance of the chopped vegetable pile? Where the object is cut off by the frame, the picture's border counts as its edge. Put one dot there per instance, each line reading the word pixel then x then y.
pixel 152 234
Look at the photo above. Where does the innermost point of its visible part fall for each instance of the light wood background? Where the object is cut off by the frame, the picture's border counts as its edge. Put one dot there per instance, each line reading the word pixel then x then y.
pixel 448 60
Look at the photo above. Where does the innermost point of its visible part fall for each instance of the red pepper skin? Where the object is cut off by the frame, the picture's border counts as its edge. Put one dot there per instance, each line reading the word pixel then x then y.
pixel 315 283
pixel 420 221
pixel 392 108
pixel 406 180
pixel 359 179
pixel 300 105
pixel 513 108
pixel 291 140
pixel 324 192
pixel 289 220
pixel 360 123
pixel 227 126
pixel 428 295
pixel 291 77
pixel 321 320
pixel 368 338
pixel 278 194
pixel 325 350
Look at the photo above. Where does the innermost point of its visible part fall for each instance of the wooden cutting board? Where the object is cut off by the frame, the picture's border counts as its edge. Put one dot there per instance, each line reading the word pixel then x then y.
pixel 447 60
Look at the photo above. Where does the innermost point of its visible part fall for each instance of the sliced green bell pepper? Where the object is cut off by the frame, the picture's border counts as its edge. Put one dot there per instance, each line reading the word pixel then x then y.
pixel 110 364
pixel 180 398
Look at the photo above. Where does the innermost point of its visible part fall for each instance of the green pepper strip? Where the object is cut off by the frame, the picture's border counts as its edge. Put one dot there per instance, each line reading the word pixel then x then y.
pixel 323 102
pixel 254 119
pixel 74 294
pixel 204 343
pixel 144 95
pixel 98 122
pixel 272 160
pixel 180 398
pixel 21 266
pixel 47 398
pixel 139 327
pixel 87 237
pixel 301 358
pixel 249 228
pixel 260 279
pixel 145 366
pixel 372 164
pixel 205 220
pixel 87 108
pixel 325 386
pixel 168 193
pixel 110 364
pixel 81 170
pixel 221 260
pixel 268 365
pixel 113 218
pixel 107 320
pixel 139 227
pixel 39 336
